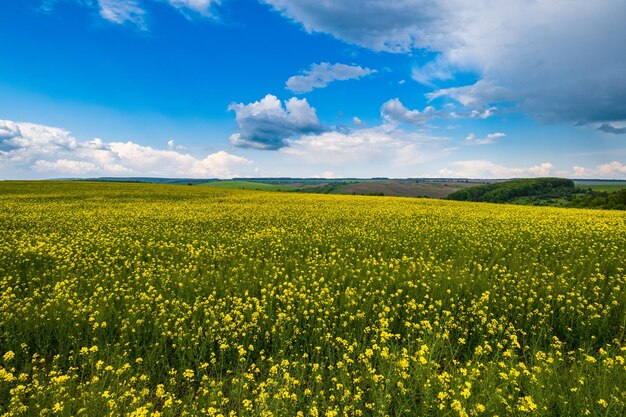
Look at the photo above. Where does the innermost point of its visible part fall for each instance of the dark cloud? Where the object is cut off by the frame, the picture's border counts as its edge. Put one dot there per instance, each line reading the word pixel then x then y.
pixel 556 60
pixel 608 128
pixel 266 124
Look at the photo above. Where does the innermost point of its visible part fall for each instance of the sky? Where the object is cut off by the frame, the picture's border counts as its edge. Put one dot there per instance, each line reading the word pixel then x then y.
pixel 312 88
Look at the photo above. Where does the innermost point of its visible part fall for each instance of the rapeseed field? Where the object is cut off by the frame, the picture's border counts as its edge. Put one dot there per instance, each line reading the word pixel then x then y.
pixel 152 300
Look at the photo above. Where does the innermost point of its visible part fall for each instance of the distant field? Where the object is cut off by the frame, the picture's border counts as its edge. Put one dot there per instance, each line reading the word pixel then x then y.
pixel 165 301
pixel 396 188
pixel 600 185
pixel 402 188
pixel 248 185
pixel 609 188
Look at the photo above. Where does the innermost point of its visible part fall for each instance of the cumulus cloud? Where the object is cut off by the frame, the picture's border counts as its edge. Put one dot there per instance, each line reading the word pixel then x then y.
pixel 582 172
pixel 613 169
pixel 606 128
pixel 173 146
pixel 266 124
pixel 376 24
pixel 383 144
pixel 471 139
pixel 488 169
pixel 56 152
pixel 357 121
pixel 393 111
pixel 610 170
pixel 8 132
pixel 558 60
pixel 66 166
pixel 320 75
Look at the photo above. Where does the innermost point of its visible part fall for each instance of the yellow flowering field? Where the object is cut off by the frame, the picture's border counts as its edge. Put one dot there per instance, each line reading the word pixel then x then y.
pixel 153 300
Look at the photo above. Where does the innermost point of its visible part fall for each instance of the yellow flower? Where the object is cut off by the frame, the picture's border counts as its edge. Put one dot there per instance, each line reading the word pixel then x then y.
pixel 58 407
pixel 526 404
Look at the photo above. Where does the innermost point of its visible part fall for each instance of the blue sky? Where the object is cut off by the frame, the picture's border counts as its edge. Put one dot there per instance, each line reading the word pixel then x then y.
pixel 237 88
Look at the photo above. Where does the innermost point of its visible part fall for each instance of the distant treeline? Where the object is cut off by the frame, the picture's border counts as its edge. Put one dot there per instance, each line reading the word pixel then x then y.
pixel 542 191
pixel 502 192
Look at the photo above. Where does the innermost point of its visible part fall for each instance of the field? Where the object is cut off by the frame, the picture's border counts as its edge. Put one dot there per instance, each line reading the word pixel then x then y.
pixel 397 188
pixel 609 188
pixel 166 300
pixel 602 185
pixel 249 185
pixel 402 188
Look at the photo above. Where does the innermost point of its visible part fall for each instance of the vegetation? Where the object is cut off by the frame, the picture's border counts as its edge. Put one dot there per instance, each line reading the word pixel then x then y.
pixel 399 188
pixel 599 199
pixel 609 188
pixel 141 299
pixel 602 185
pixel 500 192
pixel 545 192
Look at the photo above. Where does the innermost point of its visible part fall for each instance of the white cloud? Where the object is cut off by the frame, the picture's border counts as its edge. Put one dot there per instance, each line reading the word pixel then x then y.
pixel 558 60
pixel 582 172
pixel 55 152
pixel 122 11
pixel 66 166
pixel 322 74
pixel 357 121
pixel 8 130
pixel 380 145
pixel 471 139
pixel 393 111
pixel 431 71
pixel 200 6
pixel 488 169
pixel 476 114
pixel 613 169
pixel 326 175
pixel 173 146
pixel 133 11
pixel 265 124
pixel 480 94
pixel 610 170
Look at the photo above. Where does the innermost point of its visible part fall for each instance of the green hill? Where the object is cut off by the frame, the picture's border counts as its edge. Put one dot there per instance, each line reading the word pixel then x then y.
pixel 502 192
pixel 543 192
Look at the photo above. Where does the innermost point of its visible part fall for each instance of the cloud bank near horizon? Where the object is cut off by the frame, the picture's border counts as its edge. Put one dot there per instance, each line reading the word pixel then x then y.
pixel 51 151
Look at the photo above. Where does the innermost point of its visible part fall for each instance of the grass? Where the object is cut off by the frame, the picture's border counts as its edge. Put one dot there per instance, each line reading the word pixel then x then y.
pixel 142 299
pixel 609 188
pixel 601 185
